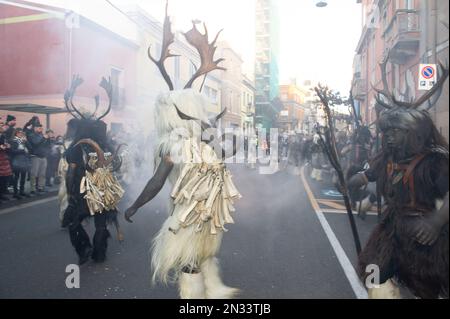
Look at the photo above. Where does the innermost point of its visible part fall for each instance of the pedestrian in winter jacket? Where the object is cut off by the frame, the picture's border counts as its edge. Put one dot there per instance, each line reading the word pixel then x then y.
pixel 39 150
pixel 5 165
pixel 21 162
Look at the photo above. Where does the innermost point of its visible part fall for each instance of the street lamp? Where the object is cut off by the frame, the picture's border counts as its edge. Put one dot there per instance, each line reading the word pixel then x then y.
pixel 321 4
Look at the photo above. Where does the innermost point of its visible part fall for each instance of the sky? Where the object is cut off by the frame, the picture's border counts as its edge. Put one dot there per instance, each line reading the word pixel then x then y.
pixel 316 44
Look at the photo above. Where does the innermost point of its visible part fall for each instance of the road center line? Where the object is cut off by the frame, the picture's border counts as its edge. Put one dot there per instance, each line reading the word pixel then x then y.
pixel 26 205
pixel 350 273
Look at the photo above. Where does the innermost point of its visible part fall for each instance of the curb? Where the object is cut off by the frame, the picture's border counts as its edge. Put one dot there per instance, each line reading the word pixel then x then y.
pixel 17 202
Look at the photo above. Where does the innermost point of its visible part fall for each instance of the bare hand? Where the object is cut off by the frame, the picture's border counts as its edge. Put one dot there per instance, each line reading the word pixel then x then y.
pixel 129 213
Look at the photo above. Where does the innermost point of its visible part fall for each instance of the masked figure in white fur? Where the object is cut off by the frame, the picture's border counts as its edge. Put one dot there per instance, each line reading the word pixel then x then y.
pixel 202 196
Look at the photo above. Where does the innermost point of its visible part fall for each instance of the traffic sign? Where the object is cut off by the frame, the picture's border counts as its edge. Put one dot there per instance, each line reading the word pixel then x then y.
pixel 427 76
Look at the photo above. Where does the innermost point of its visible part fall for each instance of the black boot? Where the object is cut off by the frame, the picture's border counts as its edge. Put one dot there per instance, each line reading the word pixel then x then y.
pixel 84 256
pixel 100 244
pixel 81 243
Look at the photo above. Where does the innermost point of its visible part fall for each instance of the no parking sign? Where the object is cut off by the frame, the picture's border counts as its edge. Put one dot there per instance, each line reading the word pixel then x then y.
pixel 427 76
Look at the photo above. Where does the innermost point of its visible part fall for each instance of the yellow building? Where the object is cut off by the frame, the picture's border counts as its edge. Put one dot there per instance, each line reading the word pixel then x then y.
pixel 291 118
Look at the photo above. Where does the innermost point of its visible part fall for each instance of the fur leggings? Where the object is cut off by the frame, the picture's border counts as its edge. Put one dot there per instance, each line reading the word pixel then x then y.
pixel 392 247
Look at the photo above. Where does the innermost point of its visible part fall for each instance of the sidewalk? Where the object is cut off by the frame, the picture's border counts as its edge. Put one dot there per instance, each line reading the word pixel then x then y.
pixel 50 191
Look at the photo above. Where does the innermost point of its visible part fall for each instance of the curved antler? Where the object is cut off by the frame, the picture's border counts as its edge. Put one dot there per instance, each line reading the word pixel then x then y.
pixel 107 85
pixel 168 39
pixel 206 51
pixel 66 103
pixel 97 104
pixel 385 91
pixel 70 93
pixel 100 153
pixel 437 87
pixel 117 166
pixel 216 118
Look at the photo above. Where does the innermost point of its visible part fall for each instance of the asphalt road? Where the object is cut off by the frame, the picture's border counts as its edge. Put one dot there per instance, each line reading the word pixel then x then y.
pixel 277 249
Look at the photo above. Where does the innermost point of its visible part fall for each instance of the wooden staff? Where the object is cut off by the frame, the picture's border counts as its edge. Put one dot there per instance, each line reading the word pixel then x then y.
pixel 329 146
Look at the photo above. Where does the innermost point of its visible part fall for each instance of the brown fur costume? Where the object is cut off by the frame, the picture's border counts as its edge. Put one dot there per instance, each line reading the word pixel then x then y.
pixel 411 189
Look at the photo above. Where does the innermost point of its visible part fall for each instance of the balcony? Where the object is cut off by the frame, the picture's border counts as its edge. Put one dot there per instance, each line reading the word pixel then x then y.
pixel 402 34
pixel 360 89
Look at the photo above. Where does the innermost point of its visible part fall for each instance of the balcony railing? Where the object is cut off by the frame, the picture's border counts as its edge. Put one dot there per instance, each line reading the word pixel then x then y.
pixel 402 34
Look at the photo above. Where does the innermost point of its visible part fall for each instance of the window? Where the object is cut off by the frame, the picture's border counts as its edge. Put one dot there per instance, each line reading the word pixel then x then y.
pixel 176 62
pixel 210 93
pixel 207 90
pixel 409 4
pixel 213 96
pixel 116 76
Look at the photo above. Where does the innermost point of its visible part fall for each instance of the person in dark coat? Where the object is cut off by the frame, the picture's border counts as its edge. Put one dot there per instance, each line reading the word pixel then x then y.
pixel 10 127
pixel 21 162
pixel 39 150
pixel 53 157
pixel 5 165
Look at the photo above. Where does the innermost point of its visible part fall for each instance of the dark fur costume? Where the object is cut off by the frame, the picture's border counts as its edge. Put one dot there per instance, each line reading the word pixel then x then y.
pixel 392 245
pixel 360 154
pixel 78 210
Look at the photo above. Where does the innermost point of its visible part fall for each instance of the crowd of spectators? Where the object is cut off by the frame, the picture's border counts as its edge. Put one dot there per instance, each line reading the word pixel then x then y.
pixel 29 158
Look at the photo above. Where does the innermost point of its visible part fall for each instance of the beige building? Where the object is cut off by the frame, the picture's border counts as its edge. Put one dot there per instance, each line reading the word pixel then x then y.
pixel 150 83
pixel 293 97
pixel 414 32
pixel 248 105
pixel 231 85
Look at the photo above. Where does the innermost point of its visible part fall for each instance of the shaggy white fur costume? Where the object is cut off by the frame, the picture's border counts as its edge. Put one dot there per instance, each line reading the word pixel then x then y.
pixel 201 200
pixel 388 290
pixel 62 192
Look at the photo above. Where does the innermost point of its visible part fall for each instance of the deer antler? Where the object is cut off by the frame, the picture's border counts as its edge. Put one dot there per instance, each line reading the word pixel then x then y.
pixel 101 162
pixel 107 85
pixel 70 93
pixel 385 91
pixel 206 51
pixel 424 98
pixel 168 39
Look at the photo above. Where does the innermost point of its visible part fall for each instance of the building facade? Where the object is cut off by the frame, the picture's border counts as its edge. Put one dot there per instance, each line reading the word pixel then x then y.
pixel 266 62
pixel 43 47
pixel 292 117
pixel 231 85
pixel 248 106
pixel 150 83
pixel 413 32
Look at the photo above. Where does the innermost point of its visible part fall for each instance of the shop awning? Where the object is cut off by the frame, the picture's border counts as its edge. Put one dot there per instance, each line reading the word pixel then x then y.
pixel 32 108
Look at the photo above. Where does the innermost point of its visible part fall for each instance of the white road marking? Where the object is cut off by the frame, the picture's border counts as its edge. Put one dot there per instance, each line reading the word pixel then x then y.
pixel 341 211
pixel 347 267
pixel 26 205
